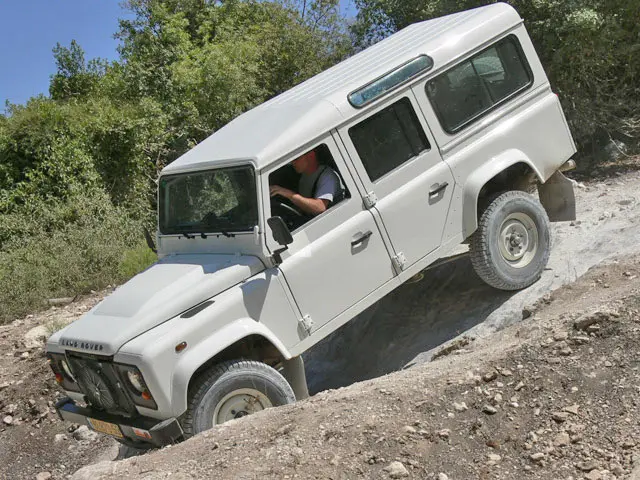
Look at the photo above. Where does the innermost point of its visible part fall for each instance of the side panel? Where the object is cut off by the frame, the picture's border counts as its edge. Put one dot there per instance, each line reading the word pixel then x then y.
pixel 258 306
pixel 529 128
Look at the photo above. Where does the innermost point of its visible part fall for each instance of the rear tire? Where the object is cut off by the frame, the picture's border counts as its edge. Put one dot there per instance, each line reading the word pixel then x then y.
pixel 511 247
pixel 232 390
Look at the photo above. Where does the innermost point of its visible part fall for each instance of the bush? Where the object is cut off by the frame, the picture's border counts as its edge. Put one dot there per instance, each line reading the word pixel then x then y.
pixel 90 251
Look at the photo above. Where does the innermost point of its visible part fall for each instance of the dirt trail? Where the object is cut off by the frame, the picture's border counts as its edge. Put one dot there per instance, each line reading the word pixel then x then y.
pixel 554 397
pixel 407 327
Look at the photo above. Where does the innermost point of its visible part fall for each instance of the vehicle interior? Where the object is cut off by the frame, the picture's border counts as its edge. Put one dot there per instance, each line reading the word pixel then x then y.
pixel 287 177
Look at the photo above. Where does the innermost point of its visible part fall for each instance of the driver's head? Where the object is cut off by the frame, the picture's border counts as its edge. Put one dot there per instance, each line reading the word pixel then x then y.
pixel 307 163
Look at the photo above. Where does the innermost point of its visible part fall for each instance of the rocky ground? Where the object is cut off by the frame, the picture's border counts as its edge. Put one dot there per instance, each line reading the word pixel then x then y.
pixel 555 397
pixel 502 385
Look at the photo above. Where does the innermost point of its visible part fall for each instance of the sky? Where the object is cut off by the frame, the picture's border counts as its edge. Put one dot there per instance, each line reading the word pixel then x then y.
pixel 29 29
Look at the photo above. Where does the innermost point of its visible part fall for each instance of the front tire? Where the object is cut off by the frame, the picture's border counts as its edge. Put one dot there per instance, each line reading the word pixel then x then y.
pixel 232 390
pixel 511 247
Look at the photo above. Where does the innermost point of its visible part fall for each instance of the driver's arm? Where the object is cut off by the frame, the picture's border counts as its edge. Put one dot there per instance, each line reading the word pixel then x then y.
pixel 310 206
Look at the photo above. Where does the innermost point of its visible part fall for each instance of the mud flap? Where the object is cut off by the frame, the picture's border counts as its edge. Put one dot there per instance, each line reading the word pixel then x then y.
pixel 293 372
pixel 557 198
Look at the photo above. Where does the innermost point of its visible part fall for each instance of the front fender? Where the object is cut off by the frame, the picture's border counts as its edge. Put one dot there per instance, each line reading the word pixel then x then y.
pixel 192 359
pixel 479 178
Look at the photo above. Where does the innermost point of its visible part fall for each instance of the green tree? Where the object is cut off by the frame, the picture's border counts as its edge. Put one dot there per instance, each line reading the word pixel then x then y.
pixel 590 49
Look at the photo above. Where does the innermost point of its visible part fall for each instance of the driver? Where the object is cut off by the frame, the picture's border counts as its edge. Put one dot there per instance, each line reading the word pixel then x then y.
pixel 319 186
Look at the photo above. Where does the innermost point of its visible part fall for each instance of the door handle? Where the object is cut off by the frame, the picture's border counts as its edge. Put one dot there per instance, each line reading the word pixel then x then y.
pixel 360 238
pixel 435 190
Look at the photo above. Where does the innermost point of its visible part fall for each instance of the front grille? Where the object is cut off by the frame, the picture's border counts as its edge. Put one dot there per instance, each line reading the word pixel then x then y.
pixel 98 381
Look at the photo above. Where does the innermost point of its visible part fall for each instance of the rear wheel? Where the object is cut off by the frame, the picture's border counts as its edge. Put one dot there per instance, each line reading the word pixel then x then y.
pixel 233 390
pixel 511 246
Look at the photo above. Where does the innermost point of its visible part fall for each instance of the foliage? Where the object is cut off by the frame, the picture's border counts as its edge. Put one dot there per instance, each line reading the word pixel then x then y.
pixel 78 168
pixel 590 48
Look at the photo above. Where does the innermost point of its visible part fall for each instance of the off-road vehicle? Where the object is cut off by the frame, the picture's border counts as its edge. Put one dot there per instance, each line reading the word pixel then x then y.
pixel 437 134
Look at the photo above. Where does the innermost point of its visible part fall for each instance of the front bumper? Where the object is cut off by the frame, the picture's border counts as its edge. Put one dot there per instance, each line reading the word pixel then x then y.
pixel 141 431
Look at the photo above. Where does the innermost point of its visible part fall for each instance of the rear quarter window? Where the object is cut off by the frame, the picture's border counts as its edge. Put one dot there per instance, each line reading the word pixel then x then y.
pixel 474 87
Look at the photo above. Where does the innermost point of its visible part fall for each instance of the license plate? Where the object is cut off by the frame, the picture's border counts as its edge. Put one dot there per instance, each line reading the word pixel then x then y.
pixel 105 427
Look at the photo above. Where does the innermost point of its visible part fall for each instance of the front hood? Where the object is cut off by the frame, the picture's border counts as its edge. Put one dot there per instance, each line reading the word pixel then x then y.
pixel 166 289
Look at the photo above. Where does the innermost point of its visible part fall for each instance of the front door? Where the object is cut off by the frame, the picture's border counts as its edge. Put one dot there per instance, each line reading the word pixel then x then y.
pixel 337 258
pixel 402 176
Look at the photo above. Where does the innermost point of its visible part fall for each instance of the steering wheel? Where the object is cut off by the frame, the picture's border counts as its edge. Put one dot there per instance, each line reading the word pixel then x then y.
pixel 291 215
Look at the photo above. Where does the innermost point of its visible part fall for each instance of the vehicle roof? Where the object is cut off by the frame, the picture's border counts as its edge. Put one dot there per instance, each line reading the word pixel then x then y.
pixel 311 109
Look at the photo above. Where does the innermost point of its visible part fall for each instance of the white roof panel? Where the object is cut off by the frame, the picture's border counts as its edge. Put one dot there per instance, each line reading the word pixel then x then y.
pixel 303 113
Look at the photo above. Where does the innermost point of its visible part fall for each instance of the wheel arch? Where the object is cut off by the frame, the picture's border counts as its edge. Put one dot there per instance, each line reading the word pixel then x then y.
pixel 244 338
pixel 511 170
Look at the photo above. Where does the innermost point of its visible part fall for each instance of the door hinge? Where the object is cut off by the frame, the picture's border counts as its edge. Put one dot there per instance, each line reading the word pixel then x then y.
pixel 307 324
pixel 399 261
pixel 370 200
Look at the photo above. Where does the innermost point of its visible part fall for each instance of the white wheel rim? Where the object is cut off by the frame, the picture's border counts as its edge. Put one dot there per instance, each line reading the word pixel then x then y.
pixel 518 240
pixel 240 403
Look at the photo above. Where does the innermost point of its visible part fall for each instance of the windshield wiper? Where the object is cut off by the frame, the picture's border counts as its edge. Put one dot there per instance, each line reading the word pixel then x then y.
pixel 186 235
pixel 227 234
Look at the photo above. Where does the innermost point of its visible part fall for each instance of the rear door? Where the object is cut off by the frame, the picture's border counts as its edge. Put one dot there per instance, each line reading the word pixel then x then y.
pixel 402 175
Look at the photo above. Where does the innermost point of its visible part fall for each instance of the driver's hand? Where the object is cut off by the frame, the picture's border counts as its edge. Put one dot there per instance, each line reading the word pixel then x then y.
pixel 283 192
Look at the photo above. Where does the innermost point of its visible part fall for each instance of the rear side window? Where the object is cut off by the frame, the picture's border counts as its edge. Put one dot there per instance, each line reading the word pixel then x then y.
pixel 389 138
pixel 474 87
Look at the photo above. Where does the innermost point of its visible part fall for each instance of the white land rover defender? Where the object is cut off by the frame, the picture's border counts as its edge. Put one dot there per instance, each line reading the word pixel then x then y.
pixel 434 136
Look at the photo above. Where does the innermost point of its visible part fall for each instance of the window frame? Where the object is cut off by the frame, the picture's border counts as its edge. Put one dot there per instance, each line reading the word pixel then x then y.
pixel 244 165
pixel 394 87
pixel 417 124
pixel 524 62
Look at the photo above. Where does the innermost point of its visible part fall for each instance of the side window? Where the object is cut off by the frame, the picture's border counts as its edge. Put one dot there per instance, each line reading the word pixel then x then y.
pixel 389 138
pixel 313 175
pixel 473 87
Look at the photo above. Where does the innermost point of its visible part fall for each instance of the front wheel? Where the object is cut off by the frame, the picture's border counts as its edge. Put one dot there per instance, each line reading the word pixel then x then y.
pixel 232 390
pixel 511 246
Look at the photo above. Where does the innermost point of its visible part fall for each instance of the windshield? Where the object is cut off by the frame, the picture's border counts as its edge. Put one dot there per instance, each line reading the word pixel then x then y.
pixel 215 201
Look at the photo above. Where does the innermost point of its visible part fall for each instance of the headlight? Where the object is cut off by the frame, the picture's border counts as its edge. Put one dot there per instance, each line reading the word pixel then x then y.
pixel 67 370
pixel 61 370
pixel 136 381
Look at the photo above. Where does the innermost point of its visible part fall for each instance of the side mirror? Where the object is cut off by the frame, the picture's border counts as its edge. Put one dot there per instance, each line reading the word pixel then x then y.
pixel 281 233
pixel 150 244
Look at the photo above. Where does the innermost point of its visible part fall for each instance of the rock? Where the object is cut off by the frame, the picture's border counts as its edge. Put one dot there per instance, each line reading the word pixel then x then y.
pixel 36 337
pixel 560 416
pixel 497 398
pixel 43 476
pixel 573 409
pixel 537 457
pixel 519 386
pixel 593 475
pixel 60 437
pixel 57 302
pixel 8 420
pixel 24 355
pixel 566 352
pixel 505 372
pixel 490 376
pixel 489 410
pixel 628 444
pixel 493 458
pixel 444 433
pixel 590 318
pixel 562 439
pixel 608 364
pixel 443 476
pixel 4 385
pixel 587 466
pixel 396 470
pixel 460 407
pixel 84 434
pixel 579 340
pixel 11 408
pixel 560 336
pixel 408 429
